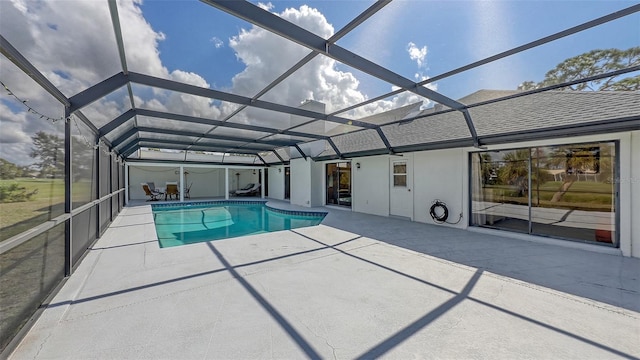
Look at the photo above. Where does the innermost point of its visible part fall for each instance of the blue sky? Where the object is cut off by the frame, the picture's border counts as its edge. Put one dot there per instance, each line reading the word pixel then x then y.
pixel 72 42
pixel 454 32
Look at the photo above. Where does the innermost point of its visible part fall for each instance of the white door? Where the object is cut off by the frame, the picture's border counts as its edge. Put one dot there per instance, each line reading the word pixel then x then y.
pixel 401 182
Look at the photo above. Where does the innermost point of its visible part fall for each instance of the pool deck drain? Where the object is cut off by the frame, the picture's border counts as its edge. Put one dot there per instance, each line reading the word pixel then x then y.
pixel 357 286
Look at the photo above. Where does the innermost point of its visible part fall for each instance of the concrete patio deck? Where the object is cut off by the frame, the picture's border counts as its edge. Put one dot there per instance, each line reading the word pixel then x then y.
pixel 357 286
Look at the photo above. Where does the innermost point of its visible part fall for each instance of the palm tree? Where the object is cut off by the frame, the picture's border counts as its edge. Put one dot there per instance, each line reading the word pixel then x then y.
pixel 515 170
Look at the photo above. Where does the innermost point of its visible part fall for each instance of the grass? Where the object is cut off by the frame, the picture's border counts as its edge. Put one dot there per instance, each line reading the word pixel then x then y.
pixel 583 195
pixel 47 203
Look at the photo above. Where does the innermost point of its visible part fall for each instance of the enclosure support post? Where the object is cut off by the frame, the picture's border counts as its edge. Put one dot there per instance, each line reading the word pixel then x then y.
pixel 226 183
pixel 67 192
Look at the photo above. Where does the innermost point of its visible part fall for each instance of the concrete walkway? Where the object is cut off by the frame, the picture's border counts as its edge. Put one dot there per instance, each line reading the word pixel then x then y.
pixel 357 286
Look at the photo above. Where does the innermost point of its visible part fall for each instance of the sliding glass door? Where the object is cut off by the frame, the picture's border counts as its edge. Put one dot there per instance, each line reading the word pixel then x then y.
pixel 564 191
pixel 339 184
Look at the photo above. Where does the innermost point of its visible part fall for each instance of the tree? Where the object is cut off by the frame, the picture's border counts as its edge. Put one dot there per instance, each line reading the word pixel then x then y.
pixel 9 170
pixel 592 63
pixel 576 160
pixel 49 150
pixel 515 171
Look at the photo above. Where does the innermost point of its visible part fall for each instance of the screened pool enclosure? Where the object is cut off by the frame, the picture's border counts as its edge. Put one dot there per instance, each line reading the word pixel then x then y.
pixel 100 97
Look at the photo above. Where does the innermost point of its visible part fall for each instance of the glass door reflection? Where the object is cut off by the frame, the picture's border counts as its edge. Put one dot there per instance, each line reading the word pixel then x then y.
pixel 339 184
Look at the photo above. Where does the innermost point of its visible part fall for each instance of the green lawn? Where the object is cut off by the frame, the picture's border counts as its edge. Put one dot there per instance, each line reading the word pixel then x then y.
pixel 584 195
pixel 48 202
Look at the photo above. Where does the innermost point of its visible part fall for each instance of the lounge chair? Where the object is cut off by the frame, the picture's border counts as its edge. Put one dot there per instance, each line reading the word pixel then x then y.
pixel 254 189
pixel 153 194
pixel 171 190
pixel 247 187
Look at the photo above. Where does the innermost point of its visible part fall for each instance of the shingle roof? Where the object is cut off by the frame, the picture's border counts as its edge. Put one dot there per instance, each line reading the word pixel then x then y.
pixel 534 112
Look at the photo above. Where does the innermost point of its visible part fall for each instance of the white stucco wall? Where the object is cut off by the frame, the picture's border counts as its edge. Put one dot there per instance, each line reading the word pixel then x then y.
pixel 276 182
pixel 439 174
pixel 300 182
pixel 370 185
pixel 317 183
pixel 205 182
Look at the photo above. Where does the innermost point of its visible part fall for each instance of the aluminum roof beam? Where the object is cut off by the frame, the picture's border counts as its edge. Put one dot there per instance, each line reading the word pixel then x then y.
pixel 21 62
pixel 115 20
pixel 124 137
pixel 301 152
pixel 278 156
pixel 237 99
pixel 275 143
pixel 334 147
pixel 587 25
pixel 243 150
pixel 265 19
pixel 113 124
pixel 193 119
pixel 261 159
pixel 97 91
pixel 174 146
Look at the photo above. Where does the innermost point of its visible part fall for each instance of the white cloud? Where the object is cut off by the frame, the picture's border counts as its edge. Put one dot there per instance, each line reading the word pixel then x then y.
pixel 417 54
pixel 268 6
pixel 217 42
pixel 51 34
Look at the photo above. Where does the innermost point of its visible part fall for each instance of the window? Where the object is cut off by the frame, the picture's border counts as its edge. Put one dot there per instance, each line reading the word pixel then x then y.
pixel 563 191
pixel 400 174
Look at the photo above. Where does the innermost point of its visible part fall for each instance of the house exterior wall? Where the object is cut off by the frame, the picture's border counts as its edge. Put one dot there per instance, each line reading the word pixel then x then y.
pixel 300 182
pixel 634 185
pixel 276 182
pixel 440 174
pixel 371 185
pixel 205 182
pixel 444 175
pixel 318 181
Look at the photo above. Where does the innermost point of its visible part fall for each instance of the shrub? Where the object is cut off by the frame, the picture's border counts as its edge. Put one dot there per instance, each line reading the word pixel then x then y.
pixel 15 193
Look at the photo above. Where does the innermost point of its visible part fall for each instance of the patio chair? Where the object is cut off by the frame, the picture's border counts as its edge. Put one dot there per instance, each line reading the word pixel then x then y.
pixel 248 191
pixel 186 192
pixel 172 190
pixel 153 194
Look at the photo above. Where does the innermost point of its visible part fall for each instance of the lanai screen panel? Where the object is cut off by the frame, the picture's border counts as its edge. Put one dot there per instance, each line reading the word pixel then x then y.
pixel 70 42
pixel 440 127
pixel 166 124
pixel 326 128
pixel 109 107
pixel 358 141
pixel 167 137
pixel 267 118
pixel 120 130
pixel 269 157
pixel 547 65
pixel 176 102
pixel 241 133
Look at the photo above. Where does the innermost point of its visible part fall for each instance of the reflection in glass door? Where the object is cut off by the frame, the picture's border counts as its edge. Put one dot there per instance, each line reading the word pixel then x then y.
pixel 287 182
pixel 339 184
pixel 565 191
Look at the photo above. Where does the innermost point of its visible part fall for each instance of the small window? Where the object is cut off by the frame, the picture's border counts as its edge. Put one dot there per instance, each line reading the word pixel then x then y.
pixel 400 174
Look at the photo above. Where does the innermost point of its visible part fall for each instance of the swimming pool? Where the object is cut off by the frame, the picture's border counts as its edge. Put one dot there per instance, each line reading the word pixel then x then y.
pixel 190 223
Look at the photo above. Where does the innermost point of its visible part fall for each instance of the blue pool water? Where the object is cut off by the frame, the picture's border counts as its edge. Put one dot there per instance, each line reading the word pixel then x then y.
pixel 197 222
